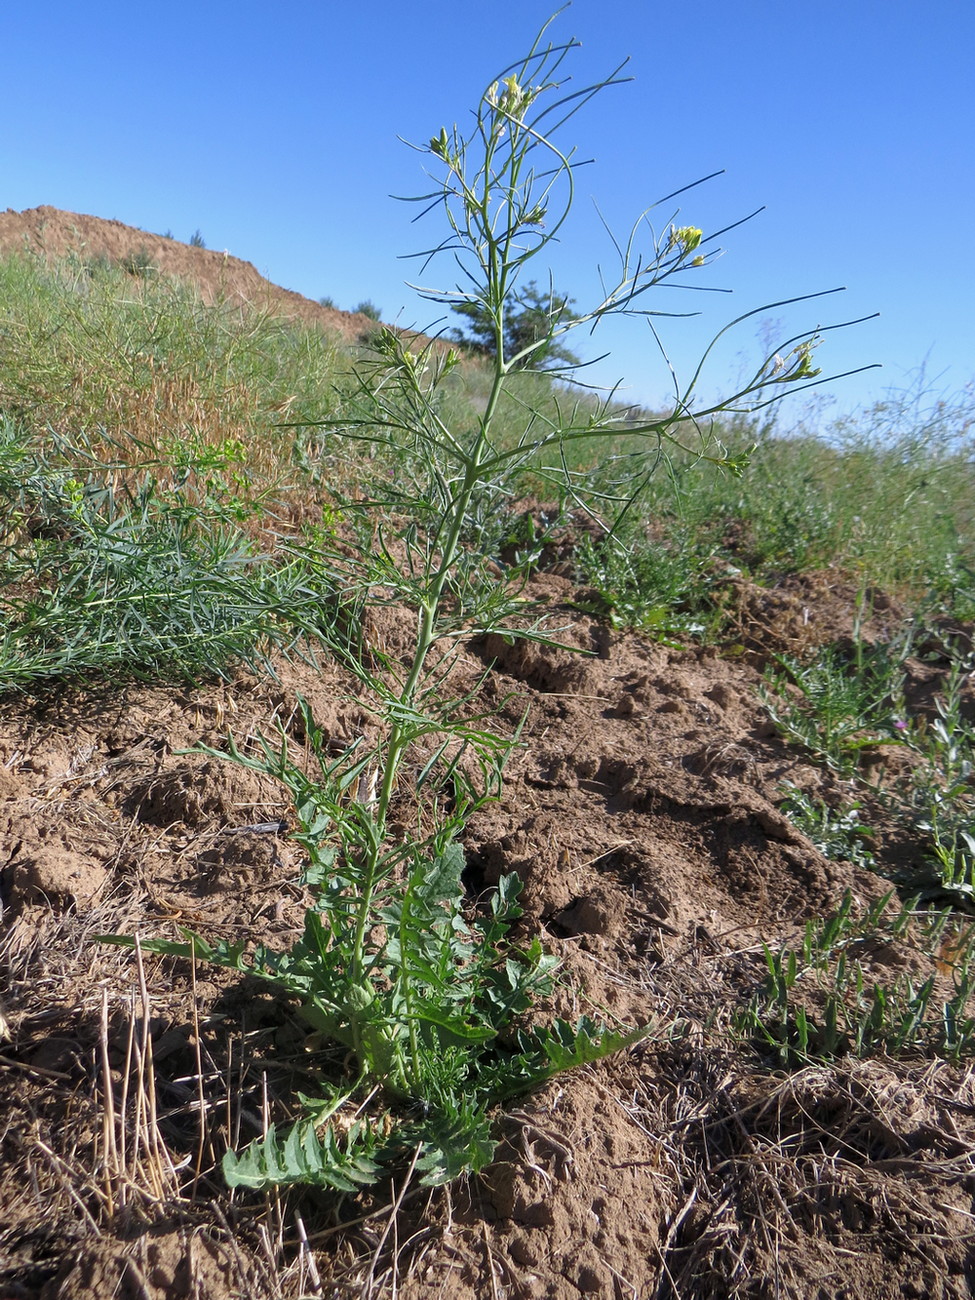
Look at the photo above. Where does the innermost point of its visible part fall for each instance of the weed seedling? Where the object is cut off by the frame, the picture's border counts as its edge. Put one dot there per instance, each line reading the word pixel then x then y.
pixel 837 833
pixel 817 1001
pixel 836 704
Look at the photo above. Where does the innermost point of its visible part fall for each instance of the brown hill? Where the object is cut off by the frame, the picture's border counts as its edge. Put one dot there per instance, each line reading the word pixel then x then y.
pixel 51 233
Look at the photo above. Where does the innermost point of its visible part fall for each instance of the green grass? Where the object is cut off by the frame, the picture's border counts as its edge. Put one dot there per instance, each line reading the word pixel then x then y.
pixel 819 1002
pixel 140 370
pixel 122 580
pixel 844 699
pixel 887 496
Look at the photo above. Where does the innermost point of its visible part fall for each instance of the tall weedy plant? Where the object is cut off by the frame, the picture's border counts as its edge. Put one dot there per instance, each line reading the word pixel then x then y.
pixel 425 992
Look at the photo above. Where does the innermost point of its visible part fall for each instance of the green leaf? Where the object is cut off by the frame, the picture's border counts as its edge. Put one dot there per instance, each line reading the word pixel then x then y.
pixel 450 1149
pixel 308 1155
pixel 546 1051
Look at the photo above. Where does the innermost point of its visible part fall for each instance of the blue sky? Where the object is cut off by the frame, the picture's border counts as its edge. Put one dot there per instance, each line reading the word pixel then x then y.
pixel 273 130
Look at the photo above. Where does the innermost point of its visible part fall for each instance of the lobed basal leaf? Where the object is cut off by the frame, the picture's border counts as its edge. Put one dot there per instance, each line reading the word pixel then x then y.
pixel 309 1155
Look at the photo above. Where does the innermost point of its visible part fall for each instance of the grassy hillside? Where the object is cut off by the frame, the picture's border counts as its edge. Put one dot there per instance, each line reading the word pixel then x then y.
pixel 131 408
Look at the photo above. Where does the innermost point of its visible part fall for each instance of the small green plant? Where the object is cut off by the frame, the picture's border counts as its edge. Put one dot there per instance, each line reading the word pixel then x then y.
pixel 938 797
pixel 838 702
pixel 656 585
pixel 421 986
pixel 197 240
pixel 947 742
pixel 953 861
pixel 837 833
pixel 842 701
pixel 818 1003
pixel 953 585
pixel 421 989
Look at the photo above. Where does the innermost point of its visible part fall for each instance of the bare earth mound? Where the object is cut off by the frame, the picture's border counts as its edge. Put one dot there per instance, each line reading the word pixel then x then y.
pixel 641 814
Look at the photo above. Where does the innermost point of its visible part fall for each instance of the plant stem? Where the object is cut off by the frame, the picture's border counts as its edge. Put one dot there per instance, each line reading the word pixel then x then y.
pixel 399 733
